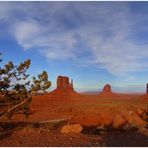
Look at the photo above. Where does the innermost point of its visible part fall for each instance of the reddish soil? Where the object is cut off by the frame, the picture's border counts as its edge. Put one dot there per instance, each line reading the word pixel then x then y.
pixel 69 105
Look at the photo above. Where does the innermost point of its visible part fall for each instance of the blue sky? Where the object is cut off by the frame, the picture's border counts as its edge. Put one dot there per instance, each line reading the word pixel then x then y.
pixel 93 43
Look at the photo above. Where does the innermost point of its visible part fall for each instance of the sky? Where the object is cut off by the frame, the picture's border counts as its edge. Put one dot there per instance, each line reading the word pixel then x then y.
pixel 93 43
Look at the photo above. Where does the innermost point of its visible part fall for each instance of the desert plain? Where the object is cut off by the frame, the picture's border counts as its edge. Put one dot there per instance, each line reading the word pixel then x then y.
pixel 65 117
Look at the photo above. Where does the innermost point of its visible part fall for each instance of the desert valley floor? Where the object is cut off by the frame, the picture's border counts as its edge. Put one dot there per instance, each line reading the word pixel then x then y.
pixel 106 120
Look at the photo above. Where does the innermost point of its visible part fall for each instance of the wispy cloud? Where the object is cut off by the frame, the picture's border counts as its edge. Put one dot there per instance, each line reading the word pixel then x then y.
pixel 98 33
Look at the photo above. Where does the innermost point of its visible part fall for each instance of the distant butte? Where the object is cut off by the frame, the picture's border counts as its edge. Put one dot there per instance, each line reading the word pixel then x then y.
pixel 145 96
pixel 107 92
pixel 64 88
pixel 107 89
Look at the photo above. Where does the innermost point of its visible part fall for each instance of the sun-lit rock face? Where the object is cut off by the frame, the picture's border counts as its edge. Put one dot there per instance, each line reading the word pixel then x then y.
pixel 118 121
pixel 107 92
pixel 64 88
pixel 107 88
pixel 63 83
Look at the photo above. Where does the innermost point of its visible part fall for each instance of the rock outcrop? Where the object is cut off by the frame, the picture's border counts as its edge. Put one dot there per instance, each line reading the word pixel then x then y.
pixel 145 96
pixel 133 119
pixel 64 88
pixel 107 89
pixel 118 121
pixel 63 83
pixel 107 92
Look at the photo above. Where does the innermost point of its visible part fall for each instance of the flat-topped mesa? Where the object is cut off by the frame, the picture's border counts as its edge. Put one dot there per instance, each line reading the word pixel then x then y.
pixel 63 83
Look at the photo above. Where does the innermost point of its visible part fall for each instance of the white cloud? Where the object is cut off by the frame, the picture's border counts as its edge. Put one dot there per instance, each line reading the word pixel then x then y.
pixel 57 29
pixel 26 33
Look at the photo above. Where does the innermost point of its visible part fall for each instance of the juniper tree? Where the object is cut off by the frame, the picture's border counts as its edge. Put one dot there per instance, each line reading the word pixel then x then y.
pixel 42 83
pixel 15 88
pixel 14 94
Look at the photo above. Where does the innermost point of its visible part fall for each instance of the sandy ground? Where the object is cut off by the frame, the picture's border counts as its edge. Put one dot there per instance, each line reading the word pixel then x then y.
pixel 47 107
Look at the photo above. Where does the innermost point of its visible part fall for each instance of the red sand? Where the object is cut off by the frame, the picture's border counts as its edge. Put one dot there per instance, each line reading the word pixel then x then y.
pixel 60 104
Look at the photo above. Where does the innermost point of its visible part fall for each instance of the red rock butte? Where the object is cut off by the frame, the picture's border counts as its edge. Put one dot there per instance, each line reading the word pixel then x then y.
pixel 107 92
pixel 64 88
pixel 63 83
pixel 107 89
pixel 145 96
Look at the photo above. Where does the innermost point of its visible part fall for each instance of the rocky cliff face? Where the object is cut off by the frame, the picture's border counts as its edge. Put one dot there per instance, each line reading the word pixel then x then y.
pixel 63 83
pixel 64 88
pixel 107 92
pixel 107 89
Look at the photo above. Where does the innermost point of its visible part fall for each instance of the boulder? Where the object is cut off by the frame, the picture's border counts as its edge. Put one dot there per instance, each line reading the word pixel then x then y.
pixel 118 121
pixel 143 131
pixel 101 127
pixel 71 128
pixel 133 119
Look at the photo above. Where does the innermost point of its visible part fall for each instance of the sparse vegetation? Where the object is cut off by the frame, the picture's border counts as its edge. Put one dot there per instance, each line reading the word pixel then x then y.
pixel 42 83
pixel 15 89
